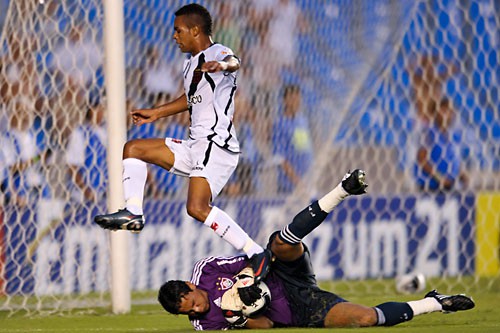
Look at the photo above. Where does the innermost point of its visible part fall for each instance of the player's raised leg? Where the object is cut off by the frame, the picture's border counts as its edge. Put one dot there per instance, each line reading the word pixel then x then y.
pixel 136 155
pixel 287 245
pixel 198 206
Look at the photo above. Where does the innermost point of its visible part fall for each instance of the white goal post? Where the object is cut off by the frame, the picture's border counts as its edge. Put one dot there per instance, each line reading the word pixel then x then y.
pixel 367 82
pixel 117 133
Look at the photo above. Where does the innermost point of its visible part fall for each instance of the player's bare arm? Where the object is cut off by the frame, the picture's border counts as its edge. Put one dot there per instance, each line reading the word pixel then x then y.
pixel 144 116
pixel 229 64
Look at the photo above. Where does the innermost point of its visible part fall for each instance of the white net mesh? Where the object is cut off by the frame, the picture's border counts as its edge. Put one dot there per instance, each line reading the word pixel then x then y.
pixel 325 86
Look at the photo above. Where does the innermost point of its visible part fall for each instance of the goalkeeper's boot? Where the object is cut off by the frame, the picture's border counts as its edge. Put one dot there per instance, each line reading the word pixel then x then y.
pixel 354 182
pixel 261 263
pixel 123 219
pixel 452 303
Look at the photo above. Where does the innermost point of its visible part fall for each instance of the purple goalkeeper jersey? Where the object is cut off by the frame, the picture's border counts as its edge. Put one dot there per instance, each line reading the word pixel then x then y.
pixel 215 275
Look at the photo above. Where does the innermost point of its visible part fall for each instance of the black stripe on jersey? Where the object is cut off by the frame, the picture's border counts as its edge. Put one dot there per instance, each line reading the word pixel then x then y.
pixel 207 153
pixel 186 69
pixel 231 96
pixel 195 80
pixel 210 81
pixel 210 137
pixel 197 76
pixel 212 85
pixel 230 101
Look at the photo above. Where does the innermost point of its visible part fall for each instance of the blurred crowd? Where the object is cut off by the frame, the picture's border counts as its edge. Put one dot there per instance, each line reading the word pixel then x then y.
pixel 54 133
pixel 53 121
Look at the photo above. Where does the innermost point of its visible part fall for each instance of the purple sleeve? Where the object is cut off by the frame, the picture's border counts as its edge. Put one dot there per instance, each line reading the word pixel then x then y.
pixel 208 325
pixel 216 265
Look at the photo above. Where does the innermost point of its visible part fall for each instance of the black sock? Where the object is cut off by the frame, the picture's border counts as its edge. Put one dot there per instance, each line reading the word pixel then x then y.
pixel 303 223
pixel 393 313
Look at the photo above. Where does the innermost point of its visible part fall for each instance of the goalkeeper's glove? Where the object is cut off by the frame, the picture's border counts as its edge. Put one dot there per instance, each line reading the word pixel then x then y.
pixel 248 290
pixel 261 264
pixel 250 294
pixel 235 318
pixel 231 306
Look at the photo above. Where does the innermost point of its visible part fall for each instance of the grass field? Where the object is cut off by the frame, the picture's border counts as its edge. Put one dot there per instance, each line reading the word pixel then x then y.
pixel 151 318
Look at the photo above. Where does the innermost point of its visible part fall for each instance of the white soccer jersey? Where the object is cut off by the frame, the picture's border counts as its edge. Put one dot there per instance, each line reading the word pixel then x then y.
pixel 211 99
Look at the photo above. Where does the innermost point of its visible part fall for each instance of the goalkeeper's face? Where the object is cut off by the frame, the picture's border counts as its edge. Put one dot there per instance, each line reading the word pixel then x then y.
pixel 194 303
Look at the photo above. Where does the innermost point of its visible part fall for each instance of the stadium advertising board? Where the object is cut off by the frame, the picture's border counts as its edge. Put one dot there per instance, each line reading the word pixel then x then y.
pixel 363 238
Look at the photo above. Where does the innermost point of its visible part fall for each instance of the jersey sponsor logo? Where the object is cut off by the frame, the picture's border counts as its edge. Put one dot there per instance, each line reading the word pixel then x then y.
pixel 195 100
pixel 214 226
pixel 225 283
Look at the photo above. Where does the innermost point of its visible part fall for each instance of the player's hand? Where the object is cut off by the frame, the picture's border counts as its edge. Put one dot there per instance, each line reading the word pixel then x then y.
pixel 143 116
pixel 250 294
pixel 212 67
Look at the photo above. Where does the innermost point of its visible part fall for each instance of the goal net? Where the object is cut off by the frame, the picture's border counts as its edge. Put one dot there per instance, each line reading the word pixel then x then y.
pixel 406 90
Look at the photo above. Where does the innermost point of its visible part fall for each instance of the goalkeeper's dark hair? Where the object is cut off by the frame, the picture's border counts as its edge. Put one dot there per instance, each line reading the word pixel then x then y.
pixel 170 295
pixel 199 15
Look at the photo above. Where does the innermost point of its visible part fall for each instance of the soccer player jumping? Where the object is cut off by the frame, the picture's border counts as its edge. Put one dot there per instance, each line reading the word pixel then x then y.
pixel 211 153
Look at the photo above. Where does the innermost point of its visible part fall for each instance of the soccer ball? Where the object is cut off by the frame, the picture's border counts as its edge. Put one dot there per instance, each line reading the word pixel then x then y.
pixel 410 283
pixel 235 311
pixel 260 305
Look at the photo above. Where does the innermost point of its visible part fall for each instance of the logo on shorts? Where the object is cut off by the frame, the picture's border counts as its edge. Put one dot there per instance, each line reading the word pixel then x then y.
pixel 214 226
pixel 176 141
pixel 198 167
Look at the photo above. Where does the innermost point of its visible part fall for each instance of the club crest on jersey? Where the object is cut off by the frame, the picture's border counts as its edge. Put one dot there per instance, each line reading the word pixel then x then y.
pixel 225 283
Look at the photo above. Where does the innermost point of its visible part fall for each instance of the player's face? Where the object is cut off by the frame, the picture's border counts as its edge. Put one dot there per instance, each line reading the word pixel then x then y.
pixel 182 34
pixel 194 303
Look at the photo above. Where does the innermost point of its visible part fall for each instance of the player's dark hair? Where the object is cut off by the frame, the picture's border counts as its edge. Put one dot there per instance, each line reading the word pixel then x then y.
pixel 170 295
pixel 199 16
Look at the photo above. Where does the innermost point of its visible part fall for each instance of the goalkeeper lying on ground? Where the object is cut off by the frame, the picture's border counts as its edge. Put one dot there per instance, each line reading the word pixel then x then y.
pixel 219 297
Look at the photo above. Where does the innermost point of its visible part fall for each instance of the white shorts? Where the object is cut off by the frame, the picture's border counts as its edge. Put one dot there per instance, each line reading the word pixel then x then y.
pixel 203 158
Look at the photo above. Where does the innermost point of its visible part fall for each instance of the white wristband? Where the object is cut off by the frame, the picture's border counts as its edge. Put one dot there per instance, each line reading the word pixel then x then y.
pixel 223 64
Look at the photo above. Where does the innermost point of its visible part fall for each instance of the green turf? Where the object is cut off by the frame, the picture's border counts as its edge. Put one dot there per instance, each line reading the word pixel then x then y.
pixel 151 318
